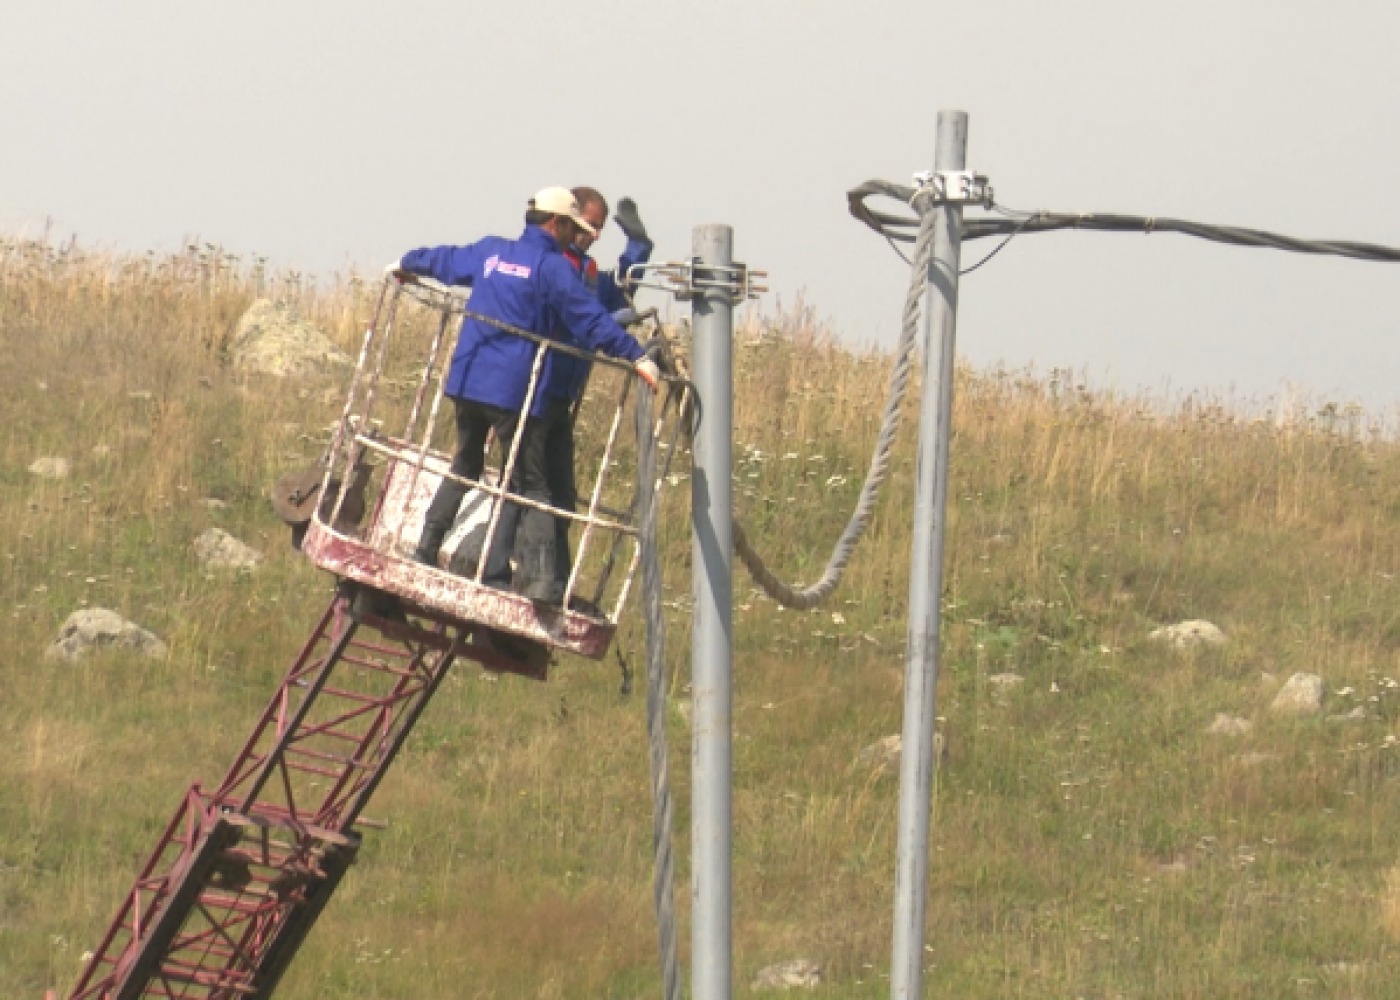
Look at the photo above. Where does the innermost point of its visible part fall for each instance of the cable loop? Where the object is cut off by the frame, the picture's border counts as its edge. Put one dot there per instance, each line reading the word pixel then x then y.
pixel 802 598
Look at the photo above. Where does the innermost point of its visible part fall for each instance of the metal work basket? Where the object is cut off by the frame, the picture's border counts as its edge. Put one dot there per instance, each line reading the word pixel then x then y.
pixel 394 477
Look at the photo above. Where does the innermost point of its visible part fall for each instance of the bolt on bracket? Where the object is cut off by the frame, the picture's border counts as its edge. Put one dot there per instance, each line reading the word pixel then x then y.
pixel 688 278
pixel 954 187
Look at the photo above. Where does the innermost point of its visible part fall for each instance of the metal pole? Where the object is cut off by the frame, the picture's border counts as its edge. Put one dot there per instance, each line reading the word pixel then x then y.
pixel 712 637
pixel 926 575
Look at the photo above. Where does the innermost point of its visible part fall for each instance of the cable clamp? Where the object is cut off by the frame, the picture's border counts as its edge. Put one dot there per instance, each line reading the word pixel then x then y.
pixel 952 187
pixel 688 279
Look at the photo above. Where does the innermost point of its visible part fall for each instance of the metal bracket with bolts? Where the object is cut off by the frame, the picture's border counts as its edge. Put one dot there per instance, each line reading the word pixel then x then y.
pixel 688 278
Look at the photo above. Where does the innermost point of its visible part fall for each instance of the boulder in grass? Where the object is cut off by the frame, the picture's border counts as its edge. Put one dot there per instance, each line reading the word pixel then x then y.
pixel 883 755
pixel 1004 683
pixel 1191 634
pixel 272 339
pixel 1357 714
pixel 97 628
pixel 798 973
pixel 1226 724
pixel 51 467
pixel 217 549
pixel 1300 696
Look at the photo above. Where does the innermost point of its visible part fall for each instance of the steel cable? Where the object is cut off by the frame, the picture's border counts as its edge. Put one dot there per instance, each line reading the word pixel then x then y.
pixel 663 871
pixel 663 878
pixel 893 228
pixel 1042 222
pixel 803 598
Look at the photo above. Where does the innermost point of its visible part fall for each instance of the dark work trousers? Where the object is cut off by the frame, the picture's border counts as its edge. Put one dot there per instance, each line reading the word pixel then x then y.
pixel 530 534
pixel 474 422
pixel 563 489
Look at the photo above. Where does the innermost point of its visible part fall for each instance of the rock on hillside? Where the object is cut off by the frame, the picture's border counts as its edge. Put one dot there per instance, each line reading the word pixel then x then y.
pixel 273 340
pixel 91 628
pixel 51 467
pixel 1301 696
pixel 799 973
pixel 882 755
pixel 217 549
pixel 1226 724
pixel 1189 634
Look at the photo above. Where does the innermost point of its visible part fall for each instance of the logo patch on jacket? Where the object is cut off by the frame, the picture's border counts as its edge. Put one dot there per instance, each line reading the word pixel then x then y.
pixel 494 263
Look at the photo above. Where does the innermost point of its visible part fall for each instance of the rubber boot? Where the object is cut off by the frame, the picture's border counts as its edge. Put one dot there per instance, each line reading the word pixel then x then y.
pixel 430 543
pixel 563 559
pixel 497 572
pixel 536 572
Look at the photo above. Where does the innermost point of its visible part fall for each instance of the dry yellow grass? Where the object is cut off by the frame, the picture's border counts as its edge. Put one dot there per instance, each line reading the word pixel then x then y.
pixel 1089 838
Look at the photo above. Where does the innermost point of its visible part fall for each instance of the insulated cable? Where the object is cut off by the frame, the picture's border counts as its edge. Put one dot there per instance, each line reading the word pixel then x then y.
pixel 899 227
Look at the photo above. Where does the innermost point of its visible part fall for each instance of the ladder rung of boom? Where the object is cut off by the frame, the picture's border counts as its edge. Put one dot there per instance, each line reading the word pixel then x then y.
pixel 240 875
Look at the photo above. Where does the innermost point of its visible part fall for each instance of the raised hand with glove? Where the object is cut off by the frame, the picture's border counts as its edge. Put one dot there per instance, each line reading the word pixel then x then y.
pixel 639 245
pixel 630 222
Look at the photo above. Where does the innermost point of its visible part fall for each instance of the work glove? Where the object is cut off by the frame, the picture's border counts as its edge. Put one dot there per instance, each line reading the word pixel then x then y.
pixel 626 317
pixel 396 271
pixel 629 221
pixel 648 372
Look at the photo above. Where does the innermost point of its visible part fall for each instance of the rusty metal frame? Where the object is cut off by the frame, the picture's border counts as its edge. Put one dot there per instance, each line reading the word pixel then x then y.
pixel 376 554
pixel 241 873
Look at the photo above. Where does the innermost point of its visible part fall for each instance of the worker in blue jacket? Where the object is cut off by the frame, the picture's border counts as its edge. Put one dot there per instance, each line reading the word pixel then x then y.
pixel 526 283
pixel 611 287
pixel 613 292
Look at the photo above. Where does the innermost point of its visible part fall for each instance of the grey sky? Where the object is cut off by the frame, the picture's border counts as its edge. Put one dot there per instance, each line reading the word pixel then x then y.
pixel 327 134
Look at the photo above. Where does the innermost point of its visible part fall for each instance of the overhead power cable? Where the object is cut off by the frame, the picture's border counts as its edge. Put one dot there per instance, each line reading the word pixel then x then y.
pixel 901 227
pixel 803 598
pixel 915 228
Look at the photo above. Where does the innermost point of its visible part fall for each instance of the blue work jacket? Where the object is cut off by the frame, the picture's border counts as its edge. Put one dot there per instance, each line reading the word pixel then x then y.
pixel 607 286
pixel 529 284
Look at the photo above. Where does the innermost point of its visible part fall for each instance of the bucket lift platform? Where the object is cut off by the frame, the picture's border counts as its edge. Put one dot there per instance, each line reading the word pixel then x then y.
pixel 405 471
pixel 243 870
pixel 381 558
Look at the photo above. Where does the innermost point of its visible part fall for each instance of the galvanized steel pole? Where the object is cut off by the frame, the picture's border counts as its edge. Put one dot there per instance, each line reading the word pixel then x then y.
pixel 712 311
pixel 926 574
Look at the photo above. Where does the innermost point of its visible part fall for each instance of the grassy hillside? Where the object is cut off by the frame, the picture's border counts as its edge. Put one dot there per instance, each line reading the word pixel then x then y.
pixel 1090 838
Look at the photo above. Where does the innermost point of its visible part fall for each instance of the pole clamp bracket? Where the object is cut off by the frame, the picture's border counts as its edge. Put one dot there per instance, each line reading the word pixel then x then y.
pixel 954 187
pixel 689 278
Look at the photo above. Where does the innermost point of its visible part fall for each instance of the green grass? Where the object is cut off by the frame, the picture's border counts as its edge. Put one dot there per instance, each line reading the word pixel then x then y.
pixel 1089 838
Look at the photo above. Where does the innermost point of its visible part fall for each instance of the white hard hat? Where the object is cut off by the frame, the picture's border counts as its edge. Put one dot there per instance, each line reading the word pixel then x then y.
pixel 561 201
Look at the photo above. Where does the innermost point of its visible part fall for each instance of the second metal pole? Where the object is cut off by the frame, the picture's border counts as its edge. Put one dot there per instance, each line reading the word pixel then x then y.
pixel 926 575
pixel 712 639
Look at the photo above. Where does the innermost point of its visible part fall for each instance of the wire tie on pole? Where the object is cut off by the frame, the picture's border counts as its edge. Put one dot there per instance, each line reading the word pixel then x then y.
pixel 1149 224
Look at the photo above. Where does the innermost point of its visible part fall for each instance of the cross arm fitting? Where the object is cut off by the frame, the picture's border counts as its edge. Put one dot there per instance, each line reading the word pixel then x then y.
pixel 688 278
